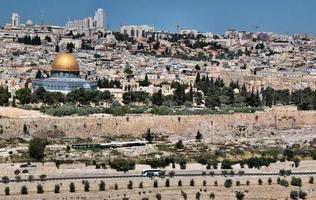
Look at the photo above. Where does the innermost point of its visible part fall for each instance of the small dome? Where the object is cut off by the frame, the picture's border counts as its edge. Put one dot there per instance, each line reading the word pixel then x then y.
pixel 65 62
pixel 29 23
pixel 236 91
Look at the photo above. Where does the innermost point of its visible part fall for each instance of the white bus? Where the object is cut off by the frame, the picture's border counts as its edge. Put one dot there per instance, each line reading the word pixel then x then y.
pixel 151 172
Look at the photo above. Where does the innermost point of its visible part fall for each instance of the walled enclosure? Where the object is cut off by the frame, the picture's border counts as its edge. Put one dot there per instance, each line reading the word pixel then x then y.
pixel 277 117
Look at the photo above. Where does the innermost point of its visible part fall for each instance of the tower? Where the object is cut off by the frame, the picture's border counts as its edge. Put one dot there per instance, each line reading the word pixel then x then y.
pixel 15 20
pixel 99 18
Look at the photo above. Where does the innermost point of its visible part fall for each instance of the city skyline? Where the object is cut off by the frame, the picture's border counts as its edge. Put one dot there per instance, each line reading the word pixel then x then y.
pixel 205 16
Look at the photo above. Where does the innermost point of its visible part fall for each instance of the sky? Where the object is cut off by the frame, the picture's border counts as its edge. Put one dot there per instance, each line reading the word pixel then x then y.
pixel 279 16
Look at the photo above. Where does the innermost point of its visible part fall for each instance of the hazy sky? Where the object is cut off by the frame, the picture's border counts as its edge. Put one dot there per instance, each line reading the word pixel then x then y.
pixel 281 16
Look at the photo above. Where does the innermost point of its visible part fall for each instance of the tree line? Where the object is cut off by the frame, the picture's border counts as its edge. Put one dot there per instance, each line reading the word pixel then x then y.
pixel 81 96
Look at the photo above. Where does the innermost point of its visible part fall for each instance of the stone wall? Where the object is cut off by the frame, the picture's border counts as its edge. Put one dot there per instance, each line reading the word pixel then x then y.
pixel 277 117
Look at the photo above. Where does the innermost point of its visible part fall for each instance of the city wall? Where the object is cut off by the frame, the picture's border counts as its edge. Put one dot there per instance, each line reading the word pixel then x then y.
pixel 276 117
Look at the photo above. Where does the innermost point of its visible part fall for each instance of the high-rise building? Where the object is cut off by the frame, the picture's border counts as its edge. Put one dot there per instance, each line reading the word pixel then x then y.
pixel 15 20
pixel 99 18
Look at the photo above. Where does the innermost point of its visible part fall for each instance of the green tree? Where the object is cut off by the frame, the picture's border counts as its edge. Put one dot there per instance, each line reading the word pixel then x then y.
pixel 57 188
pixel 72 187
pixel 199 136
pixel 130 185
pixel 179 144
pixel 86 186
pixel 212 102
pixel 57 49
pixel 70 46
pixel 40 189
pixel 155 183
pixel 157 98
pixel 228 183
pixel 270 181
pixel 192 182
pixel 37 148
pixel 148 136
pixel 167 183
pixel 198 196
pixel 102 186
pixel 7 191
pixel 4 96
pixel 121 164
pixel 179 183
pixel 24 190
pixel 24 95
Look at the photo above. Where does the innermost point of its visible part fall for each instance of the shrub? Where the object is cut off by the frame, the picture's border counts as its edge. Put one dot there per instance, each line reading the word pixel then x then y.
pixel 215 183
pixel 293 194
pixel 302 194
pixel 283 182
pixel 141 185
pixel 296 181
pixel 311 180
pixel 228 183
pixel 180 145
pixel 42 177
pixel 179 183
pixel 204 182
pixel 72 187
pixel 237 183
pixel 115 186
pixel 102 186
pixel 260 181
pixel 247 182
pixel 212 196
pixel 161 162
pixel 17 172
pixel 24 190
pixel 18 178
pixel 121 164
pixel 5 179
pixel 184 195
pixel 57 188
pixel 158 196
pixel 240 195
pixel 40 189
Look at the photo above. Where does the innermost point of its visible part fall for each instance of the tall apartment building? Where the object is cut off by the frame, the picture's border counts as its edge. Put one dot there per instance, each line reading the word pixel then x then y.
pixel 100 18
pixel 15 20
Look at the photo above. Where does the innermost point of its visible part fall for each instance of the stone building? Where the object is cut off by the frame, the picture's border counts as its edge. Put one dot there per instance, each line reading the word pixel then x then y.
pixel 65 76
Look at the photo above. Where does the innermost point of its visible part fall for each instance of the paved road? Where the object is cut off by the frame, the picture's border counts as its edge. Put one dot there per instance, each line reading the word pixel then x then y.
pixel 182 174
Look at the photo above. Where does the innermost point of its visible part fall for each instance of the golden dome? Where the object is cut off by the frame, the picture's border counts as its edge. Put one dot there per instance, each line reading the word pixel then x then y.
pixel 65 62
